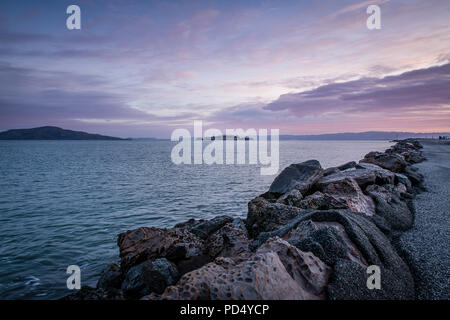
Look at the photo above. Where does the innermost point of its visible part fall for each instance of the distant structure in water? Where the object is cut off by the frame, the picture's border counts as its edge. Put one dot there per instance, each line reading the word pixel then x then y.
pixel 225 137
pixel 444 138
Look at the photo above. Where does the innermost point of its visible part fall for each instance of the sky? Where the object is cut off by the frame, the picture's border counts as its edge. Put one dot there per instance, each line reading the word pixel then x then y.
pixel 146 68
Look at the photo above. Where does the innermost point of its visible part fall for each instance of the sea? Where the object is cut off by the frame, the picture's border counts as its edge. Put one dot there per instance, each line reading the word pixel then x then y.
pixel 64 202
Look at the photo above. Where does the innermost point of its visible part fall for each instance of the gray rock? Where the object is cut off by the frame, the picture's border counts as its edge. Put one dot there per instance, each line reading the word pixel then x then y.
pixel 191 263
pixel 150 276
pixel 204 229
pixel 189 224
pixel 110 277
pixel 390 161
pixel 265 216
pixel 372 244
pixel 329 171
pixel 415 157
pixel 400 178
pixel 415 177
pixel 348 165
pixel 391 207
pixel 276 271
pixel 299 176
pixel 365 174
pixel 382 176
pixel 291 198
pixel 327 240
pixel 348 282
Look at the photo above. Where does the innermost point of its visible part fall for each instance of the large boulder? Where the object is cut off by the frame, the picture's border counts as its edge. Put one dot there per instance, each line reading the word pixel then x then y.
pixel 266 216
pixel 364 174
pixel 300 176
pixel 382 176
pixel 146 243
pixel 371 243
pixel 149 276
pixel 393 209
pixel 390 161
pixel 327 240
pixel 276 271
pixel 322 201
pixel 347 193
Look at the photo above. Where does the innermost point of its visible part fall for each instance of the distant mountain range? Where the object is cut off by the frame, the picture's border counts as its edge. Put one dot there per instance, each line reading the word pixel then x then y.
pixel 370 135
pixel 51 133
pixel 55 133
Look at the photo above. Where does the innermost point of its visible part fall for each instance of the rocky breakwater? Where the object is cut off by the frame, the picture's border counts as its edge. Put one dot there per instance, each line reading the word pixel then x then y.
pixel 311 236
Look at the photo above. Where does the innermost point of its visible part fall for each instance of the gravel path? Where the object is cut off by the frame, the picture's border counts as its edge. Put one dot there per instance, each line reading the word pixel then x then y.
pixel 427 245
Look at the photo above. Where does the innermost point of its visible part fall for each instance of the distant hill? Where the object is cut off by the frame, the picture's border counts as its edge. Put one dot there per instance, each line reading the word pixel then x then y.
pixel 148 139
pixel 370 135
pixel 51 133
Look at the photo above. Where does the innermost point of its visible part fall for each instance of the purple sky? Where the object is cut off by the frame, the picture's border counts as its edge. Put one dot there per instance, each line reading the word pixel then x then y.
pixel 145 68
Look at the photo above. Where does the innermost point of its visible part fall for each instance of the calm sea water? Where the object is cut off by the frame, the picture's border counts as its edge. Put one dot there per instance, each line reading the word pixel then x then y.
pixel 64 202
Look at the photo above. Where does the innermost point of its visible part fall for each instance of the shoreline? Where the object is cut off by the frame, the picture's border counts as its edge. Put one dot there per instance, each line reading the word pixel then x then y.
pixel 311 236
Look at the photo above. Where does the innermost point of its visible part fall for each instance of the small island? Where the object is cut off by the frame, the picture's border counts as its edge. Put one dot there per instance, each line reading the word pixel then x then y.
pixel 51 133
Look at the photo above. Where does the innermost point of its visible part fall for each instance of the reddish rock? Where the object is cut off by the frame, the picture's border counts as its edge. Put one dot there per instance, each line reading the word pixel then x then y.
pixel 146 243
pixel 321 201
pixel 230 240
pixel 304 267
pixel 276 271
pixel 390 161
pixel 291 198
pixel 340 192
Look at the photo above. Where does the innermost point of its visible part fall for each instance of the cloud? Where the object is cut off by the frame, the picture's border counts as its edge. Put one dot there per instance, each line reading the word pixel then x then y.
pixel 19 37
pixel 422 88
